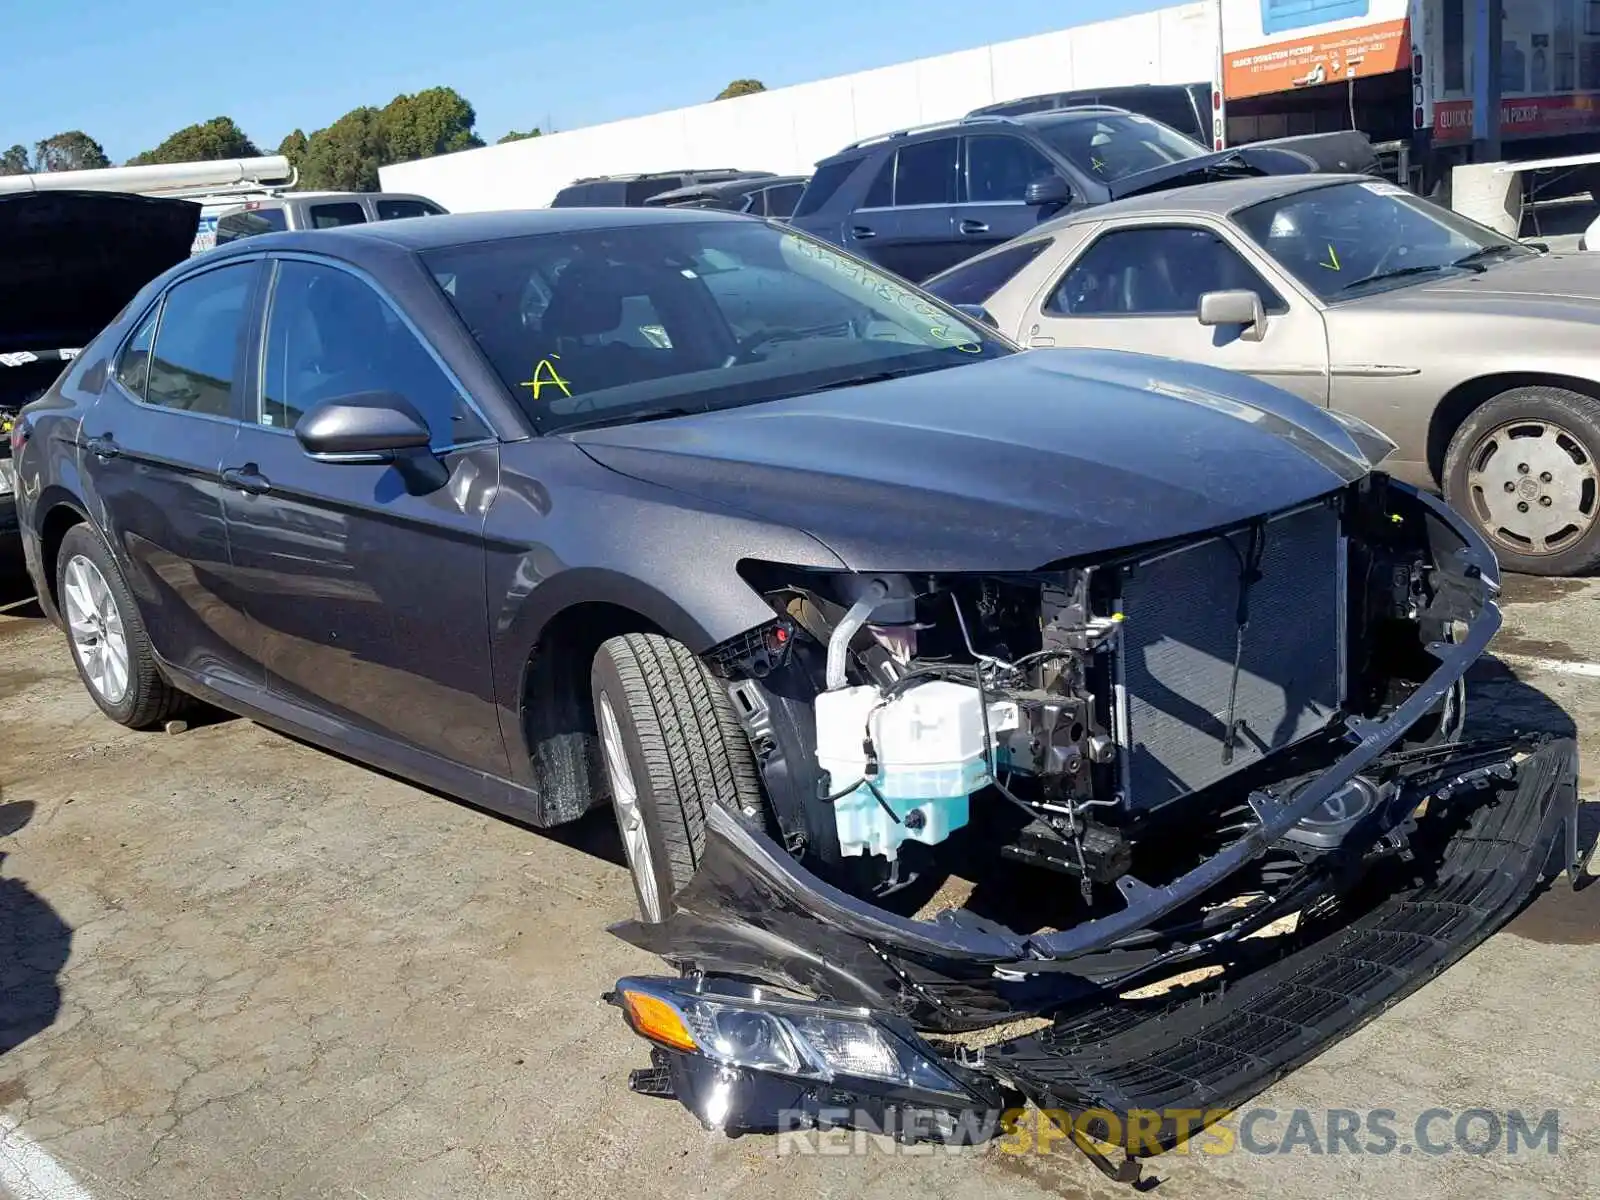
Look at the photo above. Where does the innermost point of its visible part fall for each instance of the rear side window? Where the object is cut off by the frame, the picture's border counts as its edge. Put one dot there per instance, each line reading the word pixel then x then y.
pixel 926 173
pixel 823 185
pixel 394 210
pixel 782 199
pixel 247 224
pixel 133 368
pixel 331 216
pixel 641 190
pixel 974 282
pixel 196 347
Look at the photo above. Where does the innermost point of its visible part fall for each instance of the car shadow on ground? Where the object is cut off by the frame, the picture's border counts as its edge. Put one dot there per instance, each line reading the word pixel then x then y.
pixel 34 945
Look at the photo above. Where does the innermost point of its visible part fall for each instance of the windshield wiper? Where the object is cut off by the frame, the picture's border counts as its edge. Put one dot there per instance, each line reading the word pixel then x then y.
pixel 636 416
pixel 870 377
pixel 1482 255
pixel 1401 273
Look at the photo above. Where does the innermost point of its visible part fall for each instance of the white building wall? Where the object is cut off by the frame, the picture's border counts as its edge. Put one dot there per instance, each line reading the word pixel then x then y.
pixel 788 129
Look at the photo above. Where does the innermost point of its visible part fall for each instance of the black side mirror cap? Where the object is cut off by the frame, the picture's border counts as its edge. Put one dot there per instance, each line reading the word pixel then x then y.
pixel 1051 189
pixel 364 427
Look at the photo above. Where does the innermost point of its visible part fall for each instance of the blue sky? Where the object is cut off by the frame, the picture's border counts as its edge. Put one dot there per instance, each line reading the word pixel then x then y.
pixel 130 72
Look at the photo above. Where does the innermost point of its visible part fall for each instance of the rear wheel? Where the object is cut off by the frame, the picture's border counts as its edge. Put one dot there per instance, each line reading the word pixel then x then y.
pixel 672 748
pixel 109 644
pixel 1523 468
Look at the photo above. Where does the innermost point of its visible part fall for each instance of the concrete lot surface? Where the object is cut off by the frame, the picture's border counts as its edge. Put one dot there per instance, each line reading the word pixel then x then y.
pixel 235 966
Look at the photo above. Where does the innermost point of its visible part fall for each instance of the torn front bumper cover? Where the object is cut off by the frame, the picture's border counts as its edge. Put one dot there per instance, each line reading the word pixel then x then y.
pixel 745 1057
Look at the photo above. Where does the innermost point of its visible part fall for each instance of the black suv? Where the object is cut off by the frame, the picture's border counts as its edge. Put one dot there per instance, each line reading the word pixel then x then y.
pixel 763 195
pixel 921 200
pixel 631 191
pixel 1184 106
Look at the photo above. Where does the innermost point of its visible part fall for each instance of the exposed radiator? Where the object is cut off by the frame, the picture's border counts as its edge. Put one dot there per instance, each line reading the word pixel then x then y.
pixel 1177 650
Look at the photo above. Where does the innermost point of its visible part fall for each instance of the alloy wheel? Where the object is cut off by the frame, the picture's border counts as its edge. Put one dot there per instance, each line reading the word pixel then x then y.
pixel 1533 486
pixel 95 625
pixel 630 818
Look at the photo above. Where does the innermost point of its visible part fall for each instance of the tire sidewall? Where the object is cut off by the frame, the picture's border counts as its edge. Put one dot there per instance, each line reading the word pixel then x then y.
pixel 82 541
pixel 604 679
pixel 1537 403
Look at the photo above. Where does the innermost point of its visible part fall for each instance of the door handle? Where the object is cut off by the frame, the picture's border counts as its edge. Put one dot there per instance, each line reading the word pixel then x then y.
pixel 247 478
pixel 103 447
pixel 861 232
pixel 970 226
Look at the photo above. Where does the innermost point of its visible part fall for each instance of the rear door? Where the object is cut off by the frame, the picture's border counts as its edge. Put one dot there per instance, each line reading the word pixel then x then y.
pixel 1138 287
pixel 906 221
pixel 997 168
pixel 368 599
pixel 153 448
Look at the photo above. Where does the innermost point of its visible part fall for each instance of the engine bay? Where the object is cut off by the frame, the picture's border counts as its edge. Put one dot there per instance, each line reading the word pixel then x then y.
pixel 1092 728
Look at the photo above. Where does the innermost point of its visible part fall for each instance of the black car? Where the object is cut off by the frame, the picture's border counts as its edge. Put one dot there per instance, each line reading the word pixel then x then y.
pixel 69 260
pixel 1186 107
pixel 832 594
pixel 763 196
pixel 921 200
pixel 631 191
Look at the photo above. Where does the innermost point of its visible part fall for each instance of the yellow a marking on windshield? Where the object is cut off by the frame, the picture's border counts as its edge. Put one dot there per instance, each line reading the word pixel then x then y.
pixel 545 375
pixel 1333 259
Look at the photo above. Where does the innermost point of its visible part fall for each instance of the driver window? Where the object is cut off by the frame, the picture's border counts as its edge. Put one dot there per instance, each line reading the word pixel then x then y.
pixel 1155 272
pixel 329 334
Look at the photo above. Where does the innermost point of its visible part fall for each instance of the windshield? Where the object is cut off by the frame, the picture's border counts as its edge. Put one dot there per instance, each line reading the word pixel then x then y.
pixel 1117 145
pixel 1353 239
pixel 610 325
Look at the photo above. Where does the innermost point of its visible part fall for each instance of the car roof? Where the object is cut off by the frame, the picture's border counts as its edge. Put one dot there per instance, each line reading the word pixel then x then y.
pixel 978 120
pixel 724 187
pixel 419 234
pixel 1215 199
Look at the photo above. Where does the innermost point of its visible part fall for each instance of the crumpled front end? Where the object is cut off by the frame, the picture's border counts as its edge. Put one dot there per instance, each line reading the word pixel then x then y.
pixel 1295 878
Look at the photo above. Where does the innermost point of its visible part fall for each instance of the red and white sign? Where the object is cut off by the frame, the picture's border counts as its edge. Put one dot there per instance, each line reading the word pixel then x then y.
pixel 1521 116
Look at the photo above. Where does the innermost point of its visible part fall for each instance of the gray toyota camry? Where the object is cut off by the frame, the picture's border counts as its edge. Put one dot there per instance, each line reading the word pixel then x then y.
pixel 838 601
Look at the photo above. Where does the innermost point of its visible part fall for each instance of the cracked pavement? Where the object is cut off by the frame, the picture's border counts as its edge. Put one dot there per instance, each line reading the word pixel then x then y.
pixel 232 965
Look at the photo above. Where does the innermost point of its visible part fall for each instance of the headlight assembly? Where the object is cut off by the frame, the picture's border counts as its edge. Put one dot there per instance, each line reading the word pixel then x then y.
pixel 777 1035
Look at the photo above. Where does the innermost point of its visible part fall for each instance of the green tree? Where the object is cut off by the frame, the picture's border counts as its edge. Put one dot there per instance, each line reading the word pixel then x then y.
pixel 514 136
pixel 15 161
pixel 70 151
pixel 206 141
pixel 293 147
pixel 433 121
pixel 346 155
pixel 741 87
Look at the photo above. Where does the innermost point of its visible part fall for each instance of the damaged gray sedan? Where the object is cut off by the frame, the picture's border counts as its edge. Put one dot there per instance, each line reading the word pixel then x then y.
pixel 937 687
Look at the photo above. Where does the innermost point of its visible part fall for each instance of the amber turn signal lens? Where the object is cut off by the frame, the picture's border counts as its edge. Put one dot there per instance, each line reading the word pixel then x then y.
pixel 657 1020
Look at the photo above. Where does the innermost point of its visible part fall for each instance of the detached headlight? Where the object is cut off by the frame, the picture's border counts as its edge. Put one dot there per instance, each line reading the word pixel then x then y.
pixel 1374 444
pixel 782 1037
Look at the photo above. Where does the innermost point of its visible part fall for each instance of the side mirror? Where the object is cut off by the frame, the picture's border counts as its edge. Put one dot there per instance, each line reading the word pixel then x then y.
pixel 1049 190
pixel 366 427
pixel 978 313
pixel 1235 308
pixel 374 428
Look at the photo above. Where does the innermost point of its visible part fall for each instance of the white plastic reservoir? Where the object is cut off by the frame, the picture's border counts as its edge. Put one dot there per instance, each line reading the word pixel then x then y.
pixel 929 746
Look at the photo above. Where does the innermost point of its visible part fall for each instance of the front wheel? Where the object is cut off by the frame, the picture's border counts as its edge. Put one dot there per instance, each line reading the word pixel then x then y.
pixel 672 749
pixel 1523 469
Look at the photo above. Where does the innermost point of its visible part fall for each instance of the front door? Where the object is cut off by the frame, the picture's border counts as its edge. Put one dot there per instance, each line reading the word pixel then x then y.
pixel 1138 287
pixel 999 168
pixel 369 598
pixel 153 445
